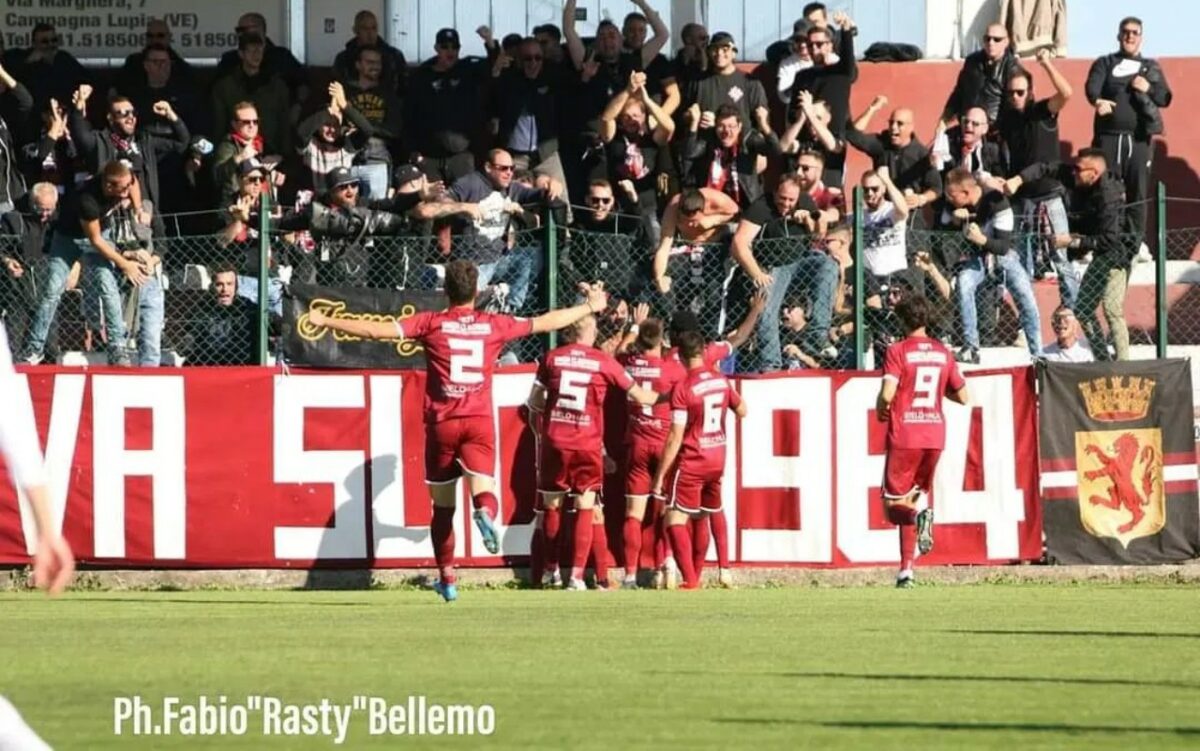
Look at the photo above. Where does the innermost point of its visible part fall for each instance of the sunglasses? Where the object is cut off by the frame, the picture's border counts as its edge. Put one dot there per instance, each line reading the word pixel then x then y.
pixel 503 167
pixel 121 114
pixel 995 39
pixel 253 179
pixel 874 188
pixel 975 123
pixel 248 122
pixel 1018 92
pixel 600 200
pixel 244 29
pixel 346 186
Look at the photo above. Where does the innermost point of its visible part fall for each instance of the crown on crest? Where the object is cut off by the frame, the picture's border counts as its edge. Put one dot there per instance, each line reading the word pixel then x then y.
pixel 1117 398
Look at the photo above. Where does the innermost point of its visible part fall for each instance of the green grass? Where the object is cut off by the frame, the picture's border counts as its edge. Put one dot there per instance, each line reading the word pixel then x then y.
pixel 1004 667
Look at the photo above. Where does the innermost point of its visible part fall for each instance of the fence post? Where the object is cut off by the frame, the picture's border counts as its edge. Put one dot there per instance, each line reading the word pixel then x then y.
pixel 1160 277
pixel 860 336
pixel 551 242
pixel 264 254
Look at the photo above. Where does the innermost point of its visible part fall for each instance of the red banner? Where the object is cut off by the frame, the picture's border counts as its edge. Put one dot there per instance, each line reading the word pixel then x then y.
pixel 248 468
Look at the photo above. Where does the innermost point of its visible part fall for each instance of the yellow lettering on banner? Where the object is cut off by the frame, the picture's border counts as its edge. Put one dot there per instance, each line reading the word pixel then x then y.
pixel 337 309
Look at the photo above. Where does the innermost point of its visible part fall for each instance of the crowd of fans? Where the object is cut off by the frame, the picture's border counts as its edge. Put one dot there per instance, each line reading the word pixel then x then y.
pixel 666 174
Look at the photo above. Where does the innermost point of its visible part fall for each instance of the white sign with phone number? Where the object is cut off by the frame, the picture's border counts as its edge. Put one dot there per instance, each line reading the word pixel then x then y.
pixel 116 28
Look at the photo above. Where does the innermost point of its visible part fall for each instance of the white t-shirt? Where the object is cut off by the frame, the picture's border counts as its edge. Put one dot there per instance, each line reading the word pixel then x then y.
pixel 884 247
pixel 1077 352
pixel 18 437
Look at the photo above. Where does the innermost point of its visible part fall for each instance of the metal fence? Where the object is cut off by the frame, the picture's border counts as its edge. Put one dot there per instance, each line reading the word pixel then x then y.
pixel 822 309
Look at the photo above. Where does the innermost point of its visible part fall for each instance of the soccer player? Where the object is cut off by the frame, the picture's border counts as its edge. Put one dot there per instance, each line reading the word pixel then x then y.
pixel 645 437
pixel 461 347
pixel 917 371
pixel 569 392
pixel 695 455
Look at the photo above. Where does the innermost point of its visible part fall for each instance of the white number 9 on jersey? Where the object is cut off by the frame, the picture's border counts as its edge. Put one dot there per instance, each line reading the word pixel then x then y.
pixel 925 389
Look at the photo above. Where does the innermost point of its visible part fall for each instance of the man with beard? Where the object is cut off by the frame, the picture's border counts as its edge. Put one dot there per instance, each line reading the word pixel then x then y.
pixel 632 148
pixel 728 158
pixel 393 66
pixel 370 95
pixel 252 81
pixel 725 84
pixel 896 148
pixel 981 80
pixel 605 248
pixel 333 137
pixel 830 77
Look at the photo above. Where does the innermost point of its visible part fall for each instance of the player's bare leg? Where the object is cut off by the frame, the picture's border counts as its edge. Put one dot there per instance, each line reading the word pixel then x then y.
pixel 903 513
pixel 543 569
pixel 679 530
pixel 720 534
pixel 441 530
pixel 635 514
pixel 584 523
pixel 487 509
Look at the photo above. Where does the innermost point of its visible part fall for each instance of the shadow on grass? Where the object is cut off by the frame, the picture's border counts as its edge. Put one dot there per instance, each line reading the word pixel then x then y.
pixel 904 677
pixel 988 727
pixel 1113 634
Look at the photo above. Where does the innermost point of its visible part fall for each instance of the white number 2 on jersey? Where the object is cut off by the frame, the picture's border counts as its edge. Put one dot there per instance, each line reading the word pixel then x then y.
pixel 925 389
pixel 713 412
pixel 466 361
pixel 572 390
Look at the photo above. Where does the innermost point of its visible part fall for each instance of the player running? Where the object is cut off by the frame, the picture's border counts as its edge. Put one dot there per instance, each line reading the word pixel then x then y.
pixel 645 437
pixel 695 456
pixel 568 394
pixel 917 371
pixel 461 348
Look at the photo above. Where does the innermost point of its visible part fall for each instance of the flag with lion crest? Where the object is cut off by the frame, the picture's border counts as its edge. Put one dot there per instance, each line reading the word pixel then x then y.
pixel 1118 462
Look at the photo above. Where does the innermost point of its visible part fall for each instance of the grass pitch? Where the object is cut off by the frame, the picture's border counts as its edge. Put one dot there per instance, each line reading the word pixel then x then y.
pixel 1000 666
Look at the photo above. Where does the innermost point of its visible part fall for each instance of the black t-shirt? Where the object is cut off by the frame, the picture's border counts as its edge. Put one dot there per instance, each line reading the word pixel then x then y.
pixel 86 204
pixel 781 240
pixel 737 89
pixel 622 165
pixel 1030 136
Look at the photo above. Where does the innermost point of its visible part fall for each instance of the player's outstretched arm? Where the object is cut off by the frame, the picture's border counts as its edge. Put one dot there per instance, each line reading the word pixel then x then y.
pixel 642 396
pixel 742 333
pixel 364 329
pixel 597 301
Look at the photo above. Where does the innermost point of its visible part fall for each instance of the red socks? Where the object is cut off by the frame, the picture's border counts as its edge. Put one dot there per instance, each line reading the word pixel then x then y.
pixel 681 544
pixel 543 552
pixel 720 533
pixel 441 530
pixel 583 542
pixel 633 544
pixel 488 501
pixel 600 552
pixel 700 539
pixel 905 517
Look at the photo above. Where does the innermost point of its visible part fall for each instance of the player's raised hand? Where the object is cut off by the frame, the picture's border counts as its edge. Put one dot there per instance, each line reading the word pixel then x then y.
pixel 597 297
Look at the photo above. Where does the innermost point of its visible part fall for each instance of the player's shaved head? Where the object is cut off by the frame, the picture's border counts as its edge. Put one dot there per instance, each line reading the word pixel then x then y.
pixel 462 277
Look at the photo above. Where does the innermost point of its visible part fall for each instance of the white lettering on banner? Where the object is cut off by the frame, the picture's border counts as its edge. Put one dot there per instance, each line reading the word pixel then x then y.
pixel 60 447
pixel 393 537
pixel 163 462
pixel 346 537
pixel 1000 506
pixel 508 390
pixel 859 472
pixel 808 473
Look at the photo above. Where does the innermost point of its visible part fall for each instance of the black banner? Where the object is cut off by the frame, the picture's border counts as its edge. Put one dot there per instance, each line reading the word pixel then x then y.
pixel 1118 462
pixel 305 344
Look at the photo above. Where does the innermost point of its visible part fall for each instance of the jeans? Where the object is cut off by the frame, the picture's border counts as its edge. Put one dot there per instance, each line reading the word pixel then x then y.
pixel 972 272
pixel 373 179
pixel 1042 218
pixel 1104 283
pixel 64 252
pixel 817 275
pixel 149 320
pixel 517 268
pixel 247 288
pixel 102 295
pixel 1070 276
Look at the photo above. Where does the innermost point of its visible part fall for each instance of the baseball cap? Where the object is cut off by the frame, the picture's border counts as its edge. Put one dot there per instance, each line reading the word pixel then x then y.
pixel 447 37
pixel 251 166
pixel 405 174
pixel 340 176
pixel 721 39
pixel 684 320
pixel 800 30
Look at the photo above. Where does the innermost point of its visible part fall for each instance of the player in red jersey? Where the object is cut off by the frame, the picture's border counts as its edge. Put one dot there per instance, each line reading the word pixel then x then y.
pixel 569 392
pixel 714 353
pixel 645 437
pixel 461 348
pixel 695 456
pixel 917 371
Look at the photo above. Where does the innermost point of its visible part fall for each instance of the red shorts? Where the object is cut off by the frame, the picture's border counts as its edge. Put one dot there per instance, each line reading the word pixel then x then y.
pixel 641 462
pixel 907 470
pixel 693 493
pixel 569 471
pixel 457 446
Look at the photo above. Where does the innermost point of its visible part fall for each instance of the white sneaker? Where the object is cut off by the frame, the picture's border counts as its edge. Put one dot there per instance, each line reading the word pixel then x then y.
pixel 670 576
pixel 725 578
pixel 575 585
pixel 32 360
pixel 551 579
pixel 629 582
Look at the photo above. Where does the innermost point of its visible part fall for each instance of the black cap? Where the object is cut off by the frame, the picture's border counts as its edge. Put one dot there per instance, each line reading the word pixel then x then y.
pixel 250 166
pixel 800 30
pixel 405 174
pixel 447 36
pixel 340 176
pixel 722 38
pixel 684 320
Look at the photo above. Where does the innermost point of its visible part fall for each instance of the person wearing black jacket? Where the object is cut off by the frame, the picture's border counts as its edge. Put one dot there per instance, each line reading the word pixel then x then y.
pixel 897 148
pixel 1096 197
pixel 829 81
pixel 332 137
pixel 987 222
pixel 366 34
pixel 981 80
pixel 1127 91
pixel 24 246
pixel 604 246
pixel 12 184
pixel 726 157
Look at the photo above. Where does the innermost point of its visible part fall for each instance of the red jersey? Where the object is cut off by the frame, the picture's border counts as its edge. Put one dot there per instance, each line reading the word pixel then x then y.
pixel 658 374
pixel 461 348
pixel 714 353
pixel 924 370
pixel 699 403
pixel 576 379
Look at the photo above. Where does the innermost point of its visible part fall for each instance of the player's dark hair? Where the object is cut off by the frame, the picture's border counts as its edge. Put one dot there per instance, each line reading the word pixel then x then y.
pixel 549 30
pixel 915 312
pixel 650 335
pixel 1020 72
pixel 1092 152
pixel 461 280
pixel 224 267
pixel 691 201
pixel 813 8
pixel 691 345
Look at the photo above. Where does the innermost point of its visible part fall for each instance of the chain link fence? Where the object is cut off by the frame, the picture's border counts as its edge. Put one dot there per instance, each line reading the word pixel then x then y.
pixel 1179 235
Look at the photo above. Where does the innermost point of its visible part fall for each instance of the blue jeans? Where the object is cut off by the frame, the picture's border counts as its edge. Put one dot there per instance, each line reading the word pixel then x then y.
pixel 247 288
pixel 817 275
pixel 102 294
pixel 64 252
pixel 1070 276
pixel 373 179
pixel 517 268
pixel 150 315
pixel 1009 272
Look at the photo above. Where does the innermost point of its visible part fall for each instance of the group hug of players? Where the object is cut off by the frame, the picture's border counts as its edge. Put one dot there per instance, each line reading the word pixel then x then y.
pixel 674 444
